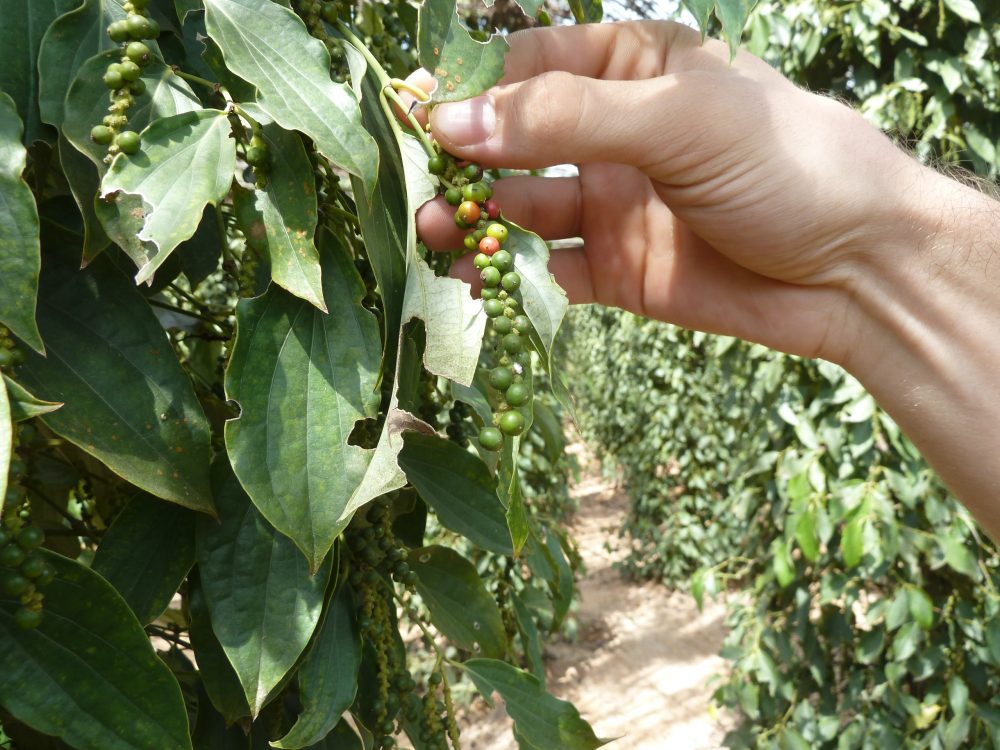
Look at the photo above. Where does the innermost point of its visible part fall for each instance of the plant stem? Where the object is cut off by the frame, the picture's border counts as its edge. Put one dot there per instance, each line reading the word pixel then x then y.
pixel 390 93
pixel 182 311
pixel 195 79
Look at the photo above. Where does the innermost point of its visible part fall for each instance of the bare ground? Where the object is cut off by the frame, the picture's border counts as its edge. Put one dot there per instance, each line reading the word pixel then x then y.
pixel 642 666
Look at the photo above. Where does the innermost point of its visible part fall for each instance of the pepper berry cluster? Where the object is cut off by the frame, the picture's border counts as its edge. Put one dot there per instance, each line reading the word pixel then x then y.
pixel 508 329
pixel 23 571
pixel 124 80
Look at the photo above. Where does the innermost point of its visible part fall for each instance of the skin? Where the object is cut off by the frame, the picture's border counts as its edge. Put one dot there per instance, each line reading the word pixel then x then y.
pixel 723 198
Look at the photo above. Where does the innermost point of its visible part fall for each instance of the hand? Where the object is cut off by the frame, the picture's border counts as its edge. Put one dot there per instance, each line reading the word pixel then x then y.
pixel 716 196
pixel 721 197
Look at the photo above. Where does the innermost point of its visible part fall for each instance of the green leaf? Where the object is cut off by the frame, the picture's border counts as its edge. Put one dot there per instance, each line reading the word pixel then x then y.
pixel 459 487
pixel 88 674
pixel 541 719
pixel 993 640
pixel 959 557
pixel 530 640
pixel 517 515
pixel 328 679
pixel 733 14
pixel 217 674
pixel 24 24
pixel 587 11
pixel 782 563
pixel 387 221
pixel 288 208
pixel 69 42
pixel 268 46
pixel 187 161
pixel 20 251
pixel 302 379
pixel 6 442
pixel 459 605
pixel 166 94
pixel 921 607
pixel 792 740
pixel 852 543
pixel 127 401
pixel 84 181
pixel 25 406
pixel 701 10
pixel 964 9
pixel 454 321
pixel 805 535
pixel 462 66
pixel 161 536
pixel 263 600
pixel 544 301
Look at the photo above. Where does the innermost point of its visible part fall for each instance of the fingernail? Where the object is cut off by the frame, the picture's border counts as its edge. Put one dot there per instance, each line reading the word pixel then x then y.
pixel 465 123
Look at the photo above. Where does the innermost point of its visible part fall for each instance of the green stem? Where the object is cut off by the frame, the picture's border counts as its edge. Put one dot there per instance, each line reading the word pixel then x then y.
pixel 182 311
pixel 390 92
pixel 336 211
pixel 195 79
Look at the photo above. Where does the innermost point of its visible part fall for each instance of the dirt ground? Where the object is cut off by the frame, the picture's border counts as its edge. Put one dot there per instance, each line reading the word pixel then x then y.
pixel 643 664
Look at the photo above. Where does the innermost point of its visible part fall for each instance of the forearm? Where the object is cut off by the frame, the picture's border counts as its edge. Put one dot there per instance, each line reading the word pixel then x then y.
pixel 928 334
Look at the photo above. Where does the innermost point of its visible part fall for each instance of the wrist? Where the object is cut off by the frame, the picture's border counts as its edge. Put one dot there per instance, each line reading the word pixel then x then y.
pixel 926 304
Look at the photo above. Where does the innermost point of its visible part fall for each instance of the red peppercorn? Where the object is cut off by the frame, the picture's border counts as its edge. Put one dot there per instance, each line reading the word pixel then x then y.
pixel 489 245
pixel 492 208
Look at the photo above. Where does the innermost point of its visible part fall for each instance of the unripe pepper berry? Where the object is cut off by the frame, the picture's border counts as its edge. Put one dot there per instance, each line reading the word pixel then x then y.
pixel 502 324
pixel 437 164
pixel 491 438
pixel 501 378
pixel 502 260
pixel 493 307
pixel 517 395
pixel 137 52
pixel 470 243
pixel 497 230
pixel 511 423
pixel 453 196
pixel 511 281
pixel 490 276
pixel 128 141
pixel 481 261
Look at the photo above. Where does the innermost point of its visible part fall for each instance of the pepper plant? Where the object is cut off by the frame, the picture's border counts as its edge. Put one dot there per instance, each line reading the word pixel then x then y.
pixel 251 432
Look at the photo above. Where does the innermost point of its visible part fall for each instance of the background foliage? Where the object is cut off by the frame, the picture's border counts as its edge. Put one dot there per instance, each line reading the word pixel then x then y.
pixel 868 607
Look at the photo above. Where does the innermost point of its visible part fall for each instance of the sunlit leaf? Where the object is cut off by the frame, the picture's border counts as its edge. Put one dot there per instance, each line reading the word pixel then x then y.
pixel 269 46
pixel 20 251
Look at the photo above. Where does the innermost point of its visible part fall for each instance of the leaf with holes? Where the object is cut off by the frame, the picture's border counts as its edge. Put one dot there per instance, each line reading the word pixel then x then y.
pixel 186 162
pixel 303 378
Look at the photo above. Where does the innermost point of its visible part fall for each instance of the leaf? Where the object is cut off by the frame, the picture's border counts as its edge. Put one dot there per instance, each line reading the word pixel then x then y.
pixel 701 10
pixel 288 207
pixel 530 641
pixel 20 251
pixel 587 11
pixel 84 181
pixel 328 679
pixel 6 443
pixel 459 605
pixel 541 719
pixel 147 553
pixel 852 544
pixel 459 487
pixel 166 94
pixel 187 161
pixel 921 607
pixel 805 535
pixel 792 740
pixel 387 221
pixel 217 674
pixel 69 42
pixel 517 515
pixel 733 14
pixel 782 563
pixel 25 406
pixel 543 300
pixel 88 674
pixel 263 600
pixel 965 9
pixel 127 401
pixel 993 640
pixel 302 379
pixel 454 321
pixel 981 144
pixel 24 25
pixel 462 66
pixel 959 557
pixel 268 46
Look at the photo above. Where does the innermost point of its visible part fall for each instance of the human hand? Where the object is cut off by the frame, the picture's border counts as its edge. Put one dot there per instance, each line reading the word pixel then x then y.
pixel 713 195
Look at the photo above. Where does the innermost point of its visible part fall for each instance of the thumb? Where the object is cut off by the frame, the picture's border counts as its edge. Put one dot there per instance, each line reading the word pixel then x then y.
pixel 558 118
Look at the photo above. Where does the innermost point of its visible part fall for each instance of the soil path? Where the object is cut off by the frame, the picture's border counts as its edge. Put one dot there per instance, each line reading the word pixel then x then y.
pixel 643 664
